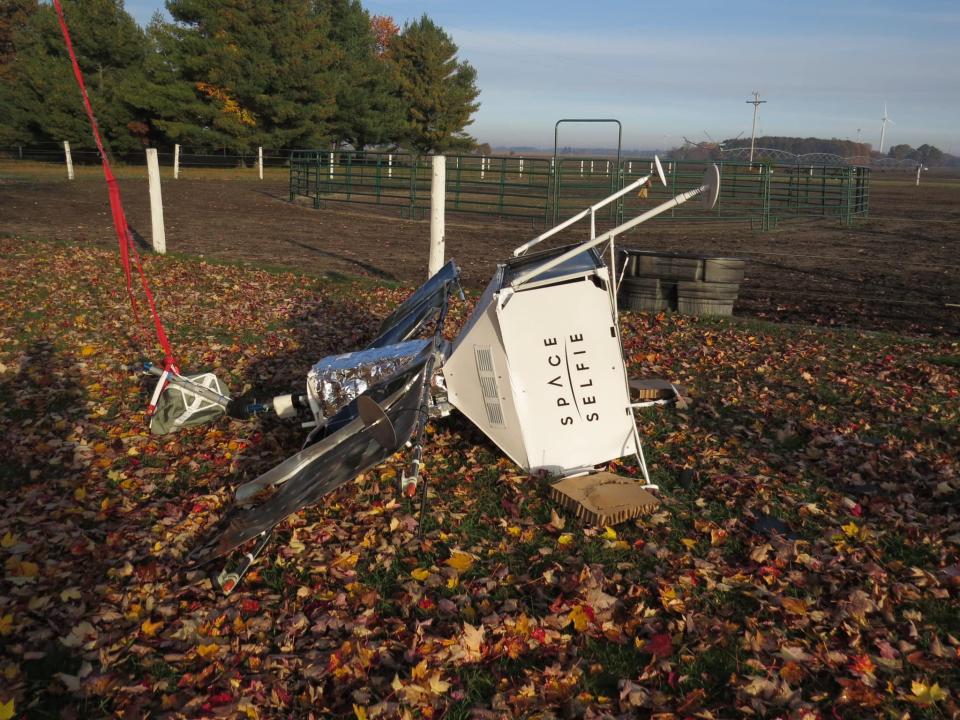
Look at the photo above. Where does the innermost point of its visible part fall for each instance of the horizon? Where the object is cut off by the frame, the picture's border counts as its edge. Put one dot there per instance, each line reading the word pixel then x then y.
pixel 826 69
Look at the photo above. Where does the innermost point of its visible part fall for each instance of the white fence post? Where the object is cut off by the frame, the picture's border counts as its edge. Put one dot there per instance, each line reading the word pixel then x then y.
pixel 581 168
pixel 521 167
pixel 331 165
pixel 390 165
pixel 483 166
pixel 260 161
pixel 630 168
pixel 438 187
pixel 159 240
pixel 66 152
pixel 591 167
pixel 176 161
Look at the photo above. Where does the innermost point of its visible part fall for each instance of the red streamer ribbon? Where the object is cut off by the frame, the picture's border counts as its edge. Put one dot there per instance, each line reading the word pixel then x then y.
pixel 124 236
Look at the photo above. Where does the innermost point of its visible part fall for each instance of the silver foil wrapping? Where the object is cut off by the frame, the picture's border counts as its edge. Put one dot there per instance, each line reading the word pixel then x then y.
pixel 337 380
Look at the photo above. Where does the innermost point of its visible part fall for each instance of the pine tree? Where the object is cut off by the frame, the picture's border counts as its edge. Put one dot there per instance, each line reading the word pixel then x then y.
pixel 368 111
pixel 14 15
pixel 41 98
pixel 237 74
pixel 438 90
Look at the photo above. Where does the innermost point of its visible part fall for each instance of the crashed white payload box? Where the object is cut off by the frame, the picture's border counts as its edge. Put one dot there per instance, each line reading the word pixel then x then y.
pixel 539 367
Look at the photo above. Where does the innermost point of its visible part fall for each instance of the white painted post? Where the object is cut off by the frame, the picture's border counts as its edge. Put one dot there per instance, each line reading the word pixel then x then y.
pixel 390 165
pixel 581 168
pixel 630 168
pixel 521 167
pixel 331 165
pixel 483 166
pixel 919 168
pixel 591 167
pixel 66 152
pixel 608 167
pixel 156 203
pixel 260 161
pixel 176 161
pixel 438 188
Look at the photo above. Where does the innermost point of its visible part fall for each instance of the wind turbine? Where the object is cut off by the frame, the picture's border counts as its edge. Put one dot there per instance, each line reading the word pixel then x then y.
pixel 883 127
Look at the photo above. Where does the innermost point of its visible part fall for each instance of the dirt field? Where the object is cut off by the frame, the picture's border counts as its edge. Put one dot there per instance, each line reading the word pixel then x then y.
pixel 897 270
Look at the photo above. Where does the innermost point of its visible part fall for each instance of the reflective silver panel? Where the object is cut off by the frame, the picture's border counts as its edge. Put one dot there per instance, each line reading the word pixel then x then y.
pixel 337 380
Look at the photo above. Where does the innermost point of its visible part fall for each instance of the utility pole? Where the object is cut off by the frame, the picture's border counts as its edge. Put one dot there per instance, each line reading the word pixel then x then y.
pixel 756 102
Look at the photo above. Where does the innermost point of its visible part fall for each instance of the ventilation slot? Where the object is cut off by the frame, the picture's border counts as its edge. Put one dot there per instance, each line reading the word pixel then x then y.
pixel 488 385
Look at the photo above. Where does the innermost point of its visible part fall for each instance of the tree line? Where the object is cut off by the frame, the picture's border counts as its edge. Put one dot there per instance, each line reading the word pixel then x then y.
pixel 234 75
pixel 927 154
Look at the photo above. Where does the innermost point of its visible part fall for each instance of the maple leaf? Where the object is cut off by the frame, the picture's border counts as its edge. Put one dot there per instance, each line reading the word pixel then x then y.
pixel 792 673
pixel 579 617
pixel 564 539
pixel 472 641
pixel 924 694
pixel 660 645
pixel 797 606
pixel 437 685
pixel 862 665
pixel 420 574
pixel 150 628
pixel 609 533
pixel 8 540
pixel 460 561
pixel 7 709
pixel 208 651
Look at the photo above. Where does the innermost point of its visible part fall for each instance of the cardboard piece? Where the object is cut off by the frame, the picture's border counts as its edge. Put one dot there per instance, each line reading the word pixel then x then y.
pixel 649 389
pixel 603 498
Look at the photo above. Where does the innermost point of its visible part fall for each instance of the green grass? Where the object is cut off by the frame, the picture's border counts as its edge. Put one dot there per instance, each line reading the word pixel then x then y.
pixel 612 663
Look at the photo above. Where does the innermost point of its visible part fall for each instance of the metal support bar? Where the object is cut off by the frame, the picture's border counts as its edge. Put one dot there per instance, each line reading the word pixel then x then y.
pixel 572 252
pixel 580 215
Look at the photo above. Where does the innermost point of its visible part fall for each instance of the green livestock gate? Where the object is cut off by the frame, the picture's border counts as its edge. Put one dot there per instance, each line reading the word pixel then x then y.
pixel 546 190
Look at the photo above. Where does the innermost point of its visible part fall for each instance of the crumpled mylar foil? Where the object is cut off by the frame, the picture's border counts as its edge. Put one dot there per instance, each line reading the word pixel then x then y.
pixel 338 379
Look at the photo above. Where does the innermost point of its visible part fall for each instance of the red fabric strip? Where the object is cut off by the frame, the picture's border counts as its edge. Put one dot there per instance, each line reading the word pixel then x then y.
pixel 124 236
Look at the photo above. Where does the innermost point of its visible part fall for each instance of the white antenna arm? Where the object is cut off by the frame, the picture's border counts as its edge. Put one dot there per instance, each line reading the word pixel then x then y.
pixel 710 190
pixel 580 215
pixel 593 208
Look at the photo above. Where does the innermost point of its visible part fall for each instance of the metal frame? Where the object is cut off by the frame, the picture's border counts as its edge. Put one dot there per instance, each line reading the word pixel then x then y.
pixel 761 194
pixel 555 165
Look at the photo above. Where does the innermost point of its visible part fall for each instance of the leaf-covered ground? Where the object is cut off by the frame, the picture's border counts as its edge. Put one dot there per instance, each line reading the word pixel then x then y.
pixel 804 562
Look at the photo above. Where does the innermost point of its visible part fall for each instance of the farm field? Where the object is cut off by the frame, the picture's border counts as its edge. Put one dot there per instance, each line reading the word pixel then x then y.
pixel 805 561
pixel 896 270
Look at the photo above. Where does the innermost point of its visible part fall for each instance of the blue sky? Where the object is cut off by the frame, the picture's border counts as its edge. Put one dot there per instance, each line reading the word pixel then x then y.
pixel 666 70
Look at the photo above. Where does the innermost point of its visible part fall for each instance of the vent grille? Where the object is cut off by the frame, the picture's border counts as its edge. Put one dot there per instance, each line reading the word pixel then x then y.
pixel 488 385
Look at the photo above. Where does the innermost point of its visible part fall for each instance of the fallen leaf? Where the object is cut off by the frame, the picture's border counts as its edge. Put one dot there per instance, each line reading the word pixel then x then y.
pixel 150 628
pixel 460 561
pixel 924 694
